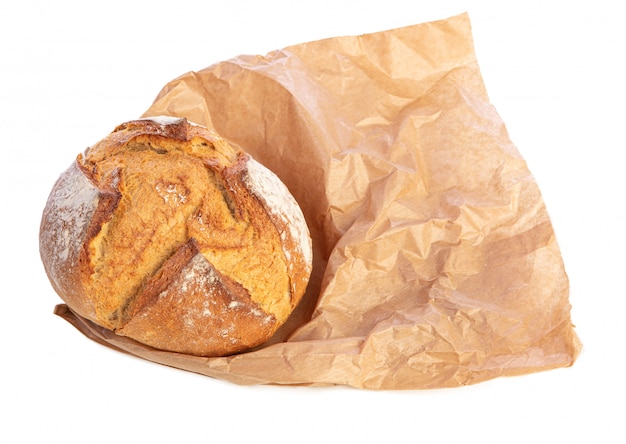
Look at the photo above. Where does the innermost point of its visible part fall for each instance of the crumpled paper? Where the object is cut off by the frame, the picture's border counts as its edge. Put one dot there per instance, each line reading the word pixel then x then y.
pixel 436 264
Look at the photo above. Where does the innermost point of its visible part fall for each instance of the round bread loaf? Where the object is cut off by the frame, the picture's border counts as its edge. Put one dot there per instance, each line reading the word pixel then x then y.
pixel 164 233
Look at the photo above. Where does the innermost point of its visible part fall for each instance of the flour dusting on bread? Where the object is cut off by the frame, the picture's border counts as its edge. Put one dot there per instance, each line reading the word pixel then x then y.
pixel 270 189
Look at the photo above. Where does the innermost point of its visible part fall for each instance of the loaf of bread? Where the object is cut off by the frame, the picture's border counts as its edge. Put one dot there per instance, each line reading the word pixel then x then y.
pixel 164 233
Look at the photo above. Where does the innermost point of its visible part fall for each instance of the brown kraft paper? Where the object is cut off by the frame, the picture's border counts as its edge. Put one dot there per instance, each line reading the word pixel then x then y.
pixel 436 264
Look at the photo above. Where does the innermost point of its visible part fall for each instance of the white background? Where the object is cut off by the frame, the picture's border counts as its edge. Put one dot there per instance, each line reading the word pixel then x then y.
pixel 71 71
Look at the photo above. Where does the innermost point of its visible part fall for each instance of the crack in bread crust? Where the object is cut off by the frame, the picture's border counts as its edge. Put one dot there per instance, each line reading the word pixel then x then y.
pixel 161 196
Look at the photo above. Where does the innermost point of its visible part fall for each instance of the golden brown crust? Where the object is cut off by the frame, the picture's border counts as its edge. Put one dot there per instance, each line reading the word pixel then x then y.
pixel 164 233
pixel 201 312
